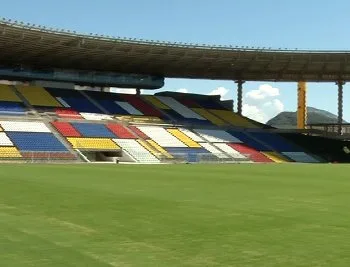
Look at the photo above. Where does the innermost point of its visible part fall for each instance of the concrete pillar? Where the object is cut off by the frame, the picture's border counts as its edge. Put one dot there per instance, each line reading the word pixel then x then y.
pixel 302 108
pixel 138 91
pixel 340 105
pixel 239 96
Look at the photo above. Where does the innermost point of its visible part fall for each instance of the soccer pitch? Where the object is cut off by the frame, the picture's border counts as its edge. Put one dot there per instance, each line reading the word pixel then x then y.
pixel 175 215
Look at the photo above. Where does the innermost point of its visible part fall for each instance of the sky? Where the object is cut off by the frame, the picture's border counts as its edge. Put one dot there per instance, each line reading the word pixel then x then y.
pixel 302 24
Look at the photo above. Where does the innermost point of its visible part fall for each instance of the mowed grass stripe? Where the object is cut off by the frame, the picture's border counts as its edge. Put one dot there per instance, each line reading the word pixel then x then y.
pixel 174 215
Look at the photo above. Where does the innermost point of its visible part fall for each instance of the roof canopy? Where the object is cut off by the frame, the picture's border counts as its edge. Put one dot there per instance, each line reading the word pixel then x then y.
pixel 39 47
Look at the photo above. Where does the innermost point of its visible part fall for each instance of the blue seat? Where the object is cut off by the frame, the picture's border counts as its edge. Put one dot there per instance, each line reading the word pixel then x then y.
pixel 190 154
pixel 45 142
pixel 93 130
pixel 276 141
pixel 249 141
pixel 14 107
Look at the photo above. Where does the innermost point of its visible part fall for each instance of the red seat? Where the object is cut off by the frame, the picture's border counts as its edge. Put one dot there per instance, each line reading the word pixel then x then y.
pixel 68 113
pixel 142 106
pixel 120 131
pixel 66 129
pixel 253 154
pixel 138 132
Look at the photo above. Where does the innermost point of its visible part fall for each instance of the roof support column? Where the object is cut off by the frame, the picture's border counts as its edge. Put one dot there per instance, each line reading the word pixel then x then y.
pixel 138 91
pixel 302 109
pixel 239 96
pixel 340 105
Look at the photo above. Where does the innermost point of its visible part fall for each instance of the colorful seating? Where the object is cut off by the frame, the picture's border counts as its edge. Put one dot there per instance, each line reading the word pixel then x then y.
pixel 251 153
pixel 120 131
pixel 8 95
pixel 9 152
pixel 36 141
pixel 66 129
pixel 101 144
pixel 38 96
pixel 93 130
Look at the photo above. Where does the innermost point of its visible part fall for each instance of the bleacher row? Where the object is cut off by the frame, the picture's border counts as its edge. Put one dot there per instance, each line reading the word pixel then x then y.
pixel 76 120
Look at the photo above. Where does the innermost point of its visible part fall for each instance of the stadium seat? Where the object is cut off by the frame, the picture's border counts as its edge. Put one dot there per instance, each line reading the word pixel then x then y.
pixel 7 94
pixel 251 153
pixel 9 152
pixel 160 149
pixel 136 151
pixel 24 126
pixel 68 113
pixel 213 150
pixel 66 129
pixel 156 102
pixel 5 140
pixel 161 136
pixel 209 116
pixel 38 96
pixel 179 108
pixel 142 106
pixel 183 138
pixel 217 136
pixel 100 144
pixel 233 119
pixel 38 141
pixel 187 153
pixel 229 150
pixel 93 130
pixel 120 131
pixel 12 107
pixel 138 132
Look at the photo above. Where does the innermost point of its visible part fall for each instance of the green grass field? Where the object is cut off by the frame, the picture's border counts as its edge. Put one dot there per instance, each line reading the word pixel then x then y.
pixel 175 215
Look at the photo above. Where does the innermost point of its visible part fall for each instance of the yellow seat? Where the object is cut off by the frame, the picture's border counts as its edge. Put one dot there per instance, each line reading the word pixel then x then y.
pixel 93 143
pixel 7 94
pixel 160 149
pixel 209 116
pixel 184 138
pixel 38 96
pixel 9 152
pixel 156 102
pixel 233 119
pixel 149 148
pixel 274 156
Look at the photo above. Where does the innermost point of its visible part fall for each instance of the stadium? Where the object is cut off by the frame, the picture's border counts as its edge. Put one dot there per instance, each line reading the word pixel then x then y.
pixel 164 195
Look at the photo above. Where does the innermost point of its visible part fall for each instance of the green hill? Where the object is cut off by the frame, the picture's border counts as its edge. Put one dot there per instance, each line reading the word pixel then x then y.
pixel 288 119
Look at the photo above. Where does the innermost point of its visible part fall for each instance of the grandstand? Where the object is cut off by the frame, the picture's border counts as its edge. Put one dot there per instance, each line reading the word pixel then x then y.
pixel 44 116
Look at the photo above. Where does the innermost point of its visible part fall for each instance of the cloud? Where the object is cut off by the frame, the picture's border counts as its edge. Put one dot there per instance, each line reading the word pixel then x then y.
pixel 222 91
pixel 264 91
pixel 182 90
pixel 262 104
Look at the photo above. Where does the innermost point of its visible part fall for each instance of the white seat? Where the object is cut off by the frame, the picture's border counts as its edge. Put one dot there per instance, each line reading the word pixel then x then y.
pixel 24 126
pixel 161 136
pixel 136 150
pixel 4 140
pixel 179 108
pixel 230 151
pixel 217 136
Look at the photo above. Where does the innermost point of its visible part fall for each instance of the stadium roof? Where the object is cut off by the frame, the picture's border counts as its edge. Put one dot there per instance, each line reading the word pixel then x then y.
pixel 40 47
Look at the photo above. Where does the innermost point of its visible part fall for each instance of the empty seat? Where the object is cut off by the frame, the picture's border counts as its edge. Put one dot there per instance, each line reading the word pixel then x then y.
pixel 195 137
pixel 209 116
pixel 9 152
pixel 38 96
pixel 8 94
pixel 216 152
pixel 142 106
pixel 120 131
pixel 183 138
pixel 100 144
pixel 128 108
pixel 68 113
pixel 161 136
pixel 26 141
pixel 5 140
pixel 138 132
pixel 155 102
pixel 233 119
pixel 179 108
pixel 275 141
pixel 136 151
pixel 95 116
pixel 66 129
pixel 230 151
pixel 251 153
pixel 24 126
pixel 217 136
pixel 300 157
pixel 11 107
pixel 93 130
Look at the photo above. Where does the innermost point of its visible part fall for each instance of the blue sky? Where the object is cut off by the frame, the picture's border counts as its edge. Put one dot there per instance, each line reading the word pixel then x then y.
pixel 311 24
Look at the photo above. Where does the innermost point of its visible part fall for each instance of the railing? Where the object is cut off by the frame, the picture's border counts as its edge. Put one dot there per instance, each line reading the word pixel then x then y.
pixel 204 158
pixel 38 156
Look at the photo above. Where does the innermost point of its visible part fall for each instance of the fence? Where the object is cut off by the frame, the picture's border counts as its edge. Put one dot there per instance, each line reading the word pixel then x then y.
pixel 205 158
pixel 37 157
